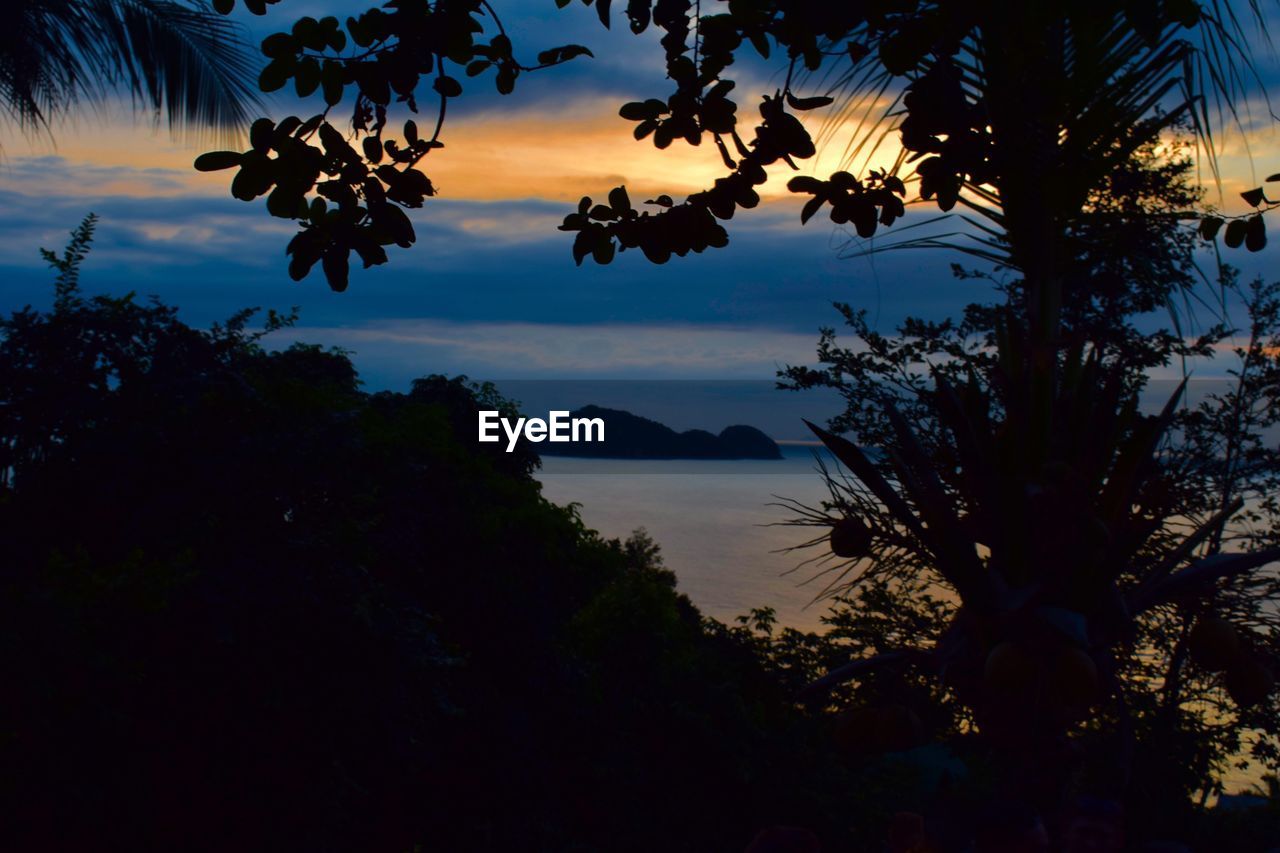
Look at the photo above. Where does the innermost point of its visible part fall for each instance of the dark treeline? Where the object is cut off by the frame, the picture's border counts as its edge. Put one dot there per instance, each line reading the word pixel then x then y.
pixel 248 605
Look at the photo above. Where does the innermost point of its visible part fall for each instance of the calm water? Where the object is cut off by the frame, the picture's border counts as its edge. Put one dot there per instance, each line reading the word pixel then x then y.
pixel 712 519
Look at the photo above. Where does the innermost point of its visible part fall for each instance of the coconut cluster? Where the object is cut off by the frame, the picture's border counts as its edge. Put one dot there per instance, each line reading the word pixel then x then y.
pixel 1219 646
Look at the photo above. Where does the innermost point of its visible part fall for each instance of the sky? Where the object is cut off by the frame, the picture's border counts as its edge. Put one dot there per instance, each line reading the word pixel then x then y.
pixel 490 289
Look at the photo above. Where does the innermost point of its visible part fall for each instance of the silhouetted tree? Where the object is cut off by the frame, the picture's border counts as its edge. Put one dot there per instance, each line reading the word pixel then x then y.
pixel 177 58
pixel 1090 529
pixel 1024 108
pixel 245 604
pixel 1038 496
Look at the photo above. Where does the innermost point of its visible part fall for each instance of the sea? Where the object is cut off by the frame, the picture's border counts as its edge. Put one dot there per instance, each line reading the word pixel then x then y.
pixel 717 522
pixel 722 525
pixel 725 538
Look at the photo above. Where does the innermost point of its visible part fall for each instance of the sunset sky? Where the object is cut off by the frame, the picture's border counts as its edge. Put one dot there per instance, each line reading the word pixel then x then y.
pixel 491 289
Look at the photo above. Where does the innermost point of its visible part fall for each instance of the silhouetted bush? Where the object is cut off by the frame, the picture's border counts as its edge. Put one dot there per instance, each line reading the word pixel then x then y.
pixel 247 605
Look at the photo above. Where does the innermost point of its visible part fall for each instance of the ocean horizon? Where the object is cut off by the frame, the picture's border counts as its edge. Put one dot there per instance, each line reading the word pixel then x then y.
pixel 714 521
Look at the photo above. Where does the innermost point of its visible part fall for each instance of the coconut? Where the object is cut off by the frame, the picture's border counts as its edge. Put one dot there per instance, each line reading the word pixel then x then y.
pixel 899 728
pixel 892 728
pixel 850 538
pixel 1249 682
pixel 1011 668
pixel 1073 677
pixel 856 731
pixel 1215 644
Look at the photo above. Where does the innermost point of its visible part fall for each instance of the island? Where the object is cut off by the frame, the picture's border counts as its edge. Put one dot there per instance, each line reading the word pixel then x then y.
pixel 628 436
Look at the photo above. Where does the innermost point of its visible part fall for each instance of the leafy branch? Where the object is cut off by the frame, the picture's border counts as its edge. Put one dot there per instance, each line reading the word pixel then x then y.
pixel 350 192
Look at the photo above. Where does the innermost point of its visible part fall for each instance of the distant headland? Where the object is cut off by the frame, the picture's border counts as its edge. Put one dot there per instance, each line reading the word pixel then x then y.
pixel 629 436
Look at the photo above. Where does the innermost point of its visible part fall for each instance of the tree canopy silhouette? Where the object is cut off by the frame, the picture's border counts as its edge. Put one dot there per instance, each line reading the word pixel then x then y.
pixel 1013 112
pixel 246 604
pixel 1161 713
pixel 1037 498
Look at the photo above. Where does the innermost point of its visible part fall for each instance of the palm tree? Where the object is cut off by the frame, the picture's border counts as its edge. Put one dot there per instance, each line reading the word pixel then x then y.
pixel 1034 491
pixel 180 59
pixel 1036 499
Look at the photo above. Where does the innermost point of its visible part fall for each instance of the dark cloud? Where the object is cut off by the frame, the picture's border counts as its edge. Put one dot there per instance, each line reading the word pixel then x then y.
pixel 624 66
pixel 211 255
pixel 489 263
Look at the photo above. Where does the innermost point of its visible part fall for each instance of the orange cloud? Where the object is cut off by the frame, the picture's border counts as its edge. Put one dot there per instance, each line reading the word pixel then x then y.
pixel 585 149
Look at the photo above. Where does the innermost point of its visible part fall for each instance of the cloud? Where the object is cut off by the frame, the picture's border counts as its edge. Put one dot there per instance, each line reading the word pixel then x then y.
pixel 86 177
pixel 488 251
pixel 391 350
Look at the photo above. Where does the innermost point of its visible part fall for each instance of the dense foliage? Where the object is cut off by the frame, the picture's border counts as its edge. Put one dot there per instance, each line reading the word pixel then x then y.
pixel 173 57
pixel 1012 113
pixel 1113 531
pixel 1093 591
pixel 249 605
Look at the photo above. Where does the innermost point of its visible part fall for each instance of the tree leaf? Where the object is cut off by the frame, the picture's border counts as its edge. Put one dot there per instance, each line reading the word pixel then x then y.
pixel 254 178
pixel 447 86
pixel 862 214
pixel 1209 227
pixel 303 254
pixel 603 252
pixel 337 267
pixel 1253 197
pixel 804 184
pixel 279 45
pixel 1235 233
pixel 332 81
pixel 306 78
pixel 583 244
pixel 639 13
pixel 619 200
pixel 214 161
pixel 1255 235
pixel 261 133
pixel 285 202
pixel 808 103
pixel 636 111
pixel 274 75
pixel 505 80
pixel 810 208
pixel 557 55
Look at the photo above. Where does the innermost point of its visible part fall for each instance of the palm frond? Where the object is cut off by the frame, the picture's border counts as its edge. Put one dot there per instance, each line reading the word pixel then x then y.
pixel 1121 89
pixel 182 60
